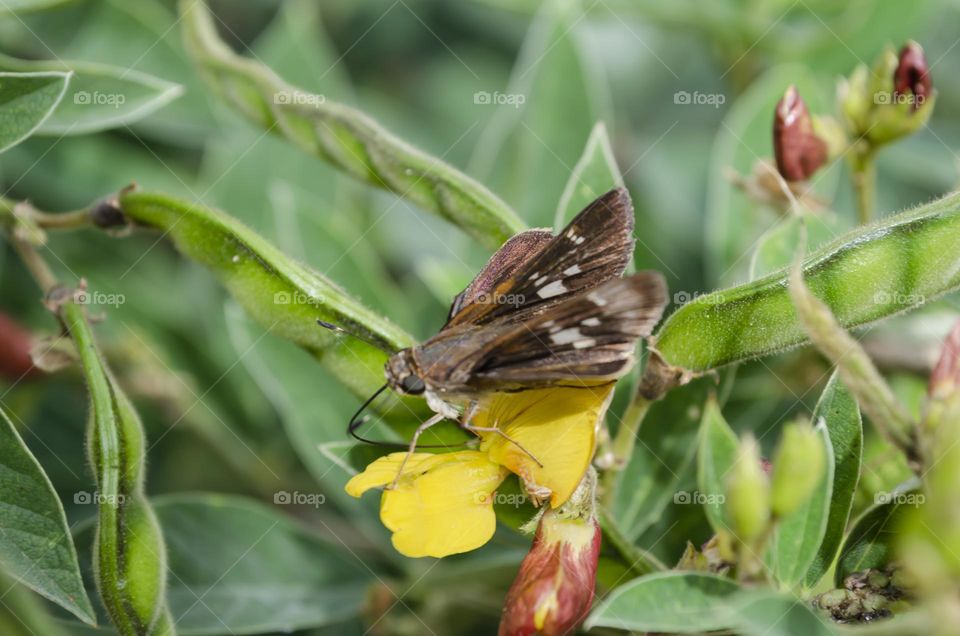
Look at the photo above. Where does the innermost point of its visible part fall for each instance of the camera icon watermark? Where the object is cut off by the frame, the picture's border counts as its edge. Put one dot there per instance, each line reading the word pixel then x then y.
pixel 684 297
pixel 297 498
pixel 298 98
pixel 296 298
pixel 898 298
pixel 496 98
pixel 85 498
pixel 696 98
pixel 884 98
pixel 501 499
pixel 697 498
pixel 914 499
pixel 96 98
pixel 87 297
pixel 512 300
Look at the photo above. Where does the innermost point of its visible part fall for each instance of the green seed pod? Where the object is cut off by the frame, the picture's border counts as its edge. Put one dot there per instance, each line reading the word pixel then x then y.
pixel 281 294
pixel 129 553
pixel 748 493
pixel 876 271
pixel 347 138
pixel 797 468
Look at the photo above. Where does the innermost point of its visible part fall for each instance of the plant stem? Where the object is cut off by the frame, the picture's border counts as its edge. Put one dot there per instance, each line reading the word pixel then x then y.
pixel 865 184
pixel 62 220
pixel 35 264
pixel 623 443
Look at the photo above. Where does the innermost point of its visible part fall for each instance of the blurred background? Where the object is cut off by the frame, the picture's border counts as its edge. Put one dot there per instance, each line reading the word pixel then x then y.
pixel 509 92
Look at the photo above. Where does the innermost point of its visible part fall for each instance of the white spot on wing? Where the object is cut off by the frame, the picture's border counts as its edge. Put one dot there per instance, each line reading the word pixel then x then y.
pixel 590 322
pixel 567 336
pixel 596 299
pixel 540 281
pixel 585 343
pixel 570 271
pixel 553 289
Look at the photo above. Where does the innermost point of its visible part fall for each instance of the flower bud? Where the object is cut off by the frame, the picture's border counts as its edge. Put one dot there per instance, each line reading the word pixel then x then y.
pixel 912 76
pixel 797 148
pixel 15 344
pixel 945 378
pixel 553 591
pixel 748 492
pixel 797 467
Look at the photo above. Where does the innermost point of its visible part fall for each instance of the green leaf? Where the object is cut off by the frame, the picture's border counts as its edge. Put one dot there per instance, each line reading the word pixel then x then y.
pixel 768 614
pixel 345 137
pixel 675 602
pixel 839 410
pixel 35 544
pixel 797 538
pixel 734 223
pixel 283 295
pixel 537 142
pixel 595 174
pixel 870 542
pixel 239 567
pixel 662 459
pixel 26 101
pixel 899 263
pixel 100 96
pixel 717 455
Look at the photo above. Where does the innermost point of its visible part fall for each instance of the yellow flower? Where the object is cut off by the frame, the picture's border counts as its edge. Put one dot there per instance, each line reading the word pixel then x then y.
pixel 557 425
pixel 443 503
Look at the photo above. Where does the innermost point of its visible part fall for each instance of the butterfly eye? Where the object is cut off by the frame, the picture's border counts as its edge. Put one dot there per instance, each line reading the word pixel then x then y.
pixel 412 385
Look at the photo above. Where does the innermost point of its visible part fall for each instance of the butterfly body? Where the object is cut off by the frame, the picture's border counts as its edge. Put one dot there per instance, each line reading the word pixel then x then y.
pixel 547 310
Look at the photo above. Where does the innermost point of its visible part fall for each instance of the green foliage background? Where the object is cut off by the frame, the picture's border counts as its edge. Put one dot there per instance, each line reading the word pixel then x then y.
pixel 233 410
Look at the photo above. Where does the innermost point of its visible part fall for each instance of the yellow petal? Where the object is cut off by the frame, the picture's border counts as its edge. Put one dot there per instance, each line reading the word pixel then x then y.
pixel 557 425
pixel 442 504
pixel 384 470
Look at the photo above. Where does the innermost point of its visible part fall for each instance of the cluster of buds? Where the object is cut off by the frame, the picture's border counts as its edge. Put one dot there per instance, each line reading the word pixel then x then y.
pixel 890 101
pixel 759 493
pixel 553 591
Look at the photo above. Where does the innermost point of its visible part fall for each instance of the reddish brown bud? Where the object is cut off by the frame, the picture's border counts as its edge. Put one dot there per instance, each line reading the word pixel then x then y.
pixel 912 76
pixel 15 343
pixel 553 591
pixel 797 148
pixel 945 378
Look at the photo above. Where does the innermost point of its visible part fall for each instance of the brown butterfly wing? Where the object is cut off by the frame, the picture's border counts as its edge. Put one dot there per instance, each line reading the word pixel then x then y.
pixel 594 248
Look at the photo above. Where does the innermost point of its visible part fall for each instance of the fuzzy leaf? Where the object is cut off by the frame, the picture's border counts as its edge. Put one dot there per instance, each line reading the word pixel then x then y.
pixel 35 544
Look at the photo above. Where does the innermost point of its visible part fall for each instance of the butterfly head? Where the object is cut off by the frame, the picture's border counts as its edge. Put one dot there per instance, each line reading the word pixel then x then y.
pixel 402 374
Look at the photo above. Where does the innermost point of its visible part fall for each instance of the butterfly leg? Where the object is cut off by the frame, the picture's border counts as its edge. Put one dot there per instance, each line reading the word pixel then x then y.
pixel 436 419
pixel 467 426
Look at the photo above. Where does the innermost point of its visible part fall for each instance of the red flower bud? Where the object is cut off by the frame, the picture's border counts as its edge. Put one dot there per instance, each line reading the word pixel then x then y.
pixel 553 591
pixel 797 148
pixel 945 378
pixel 15 343
pixel 912 76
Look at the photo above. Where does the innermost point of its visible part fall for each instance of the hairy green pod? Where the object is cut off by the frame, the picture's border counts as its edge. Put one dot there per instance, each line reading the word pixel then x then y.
pixel 874 272
pixel 284 296
pixel 129 553
pixel 347 138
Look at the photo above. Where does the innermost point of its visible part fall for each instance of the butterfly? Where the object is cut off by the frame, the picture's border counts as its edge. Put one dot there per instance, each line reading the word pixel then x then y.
pixel 546 310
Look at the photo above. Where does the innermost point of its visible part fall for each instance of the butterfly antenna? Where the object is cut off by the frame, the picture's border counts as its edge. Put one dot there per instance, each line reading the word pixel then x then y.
pixel 359 420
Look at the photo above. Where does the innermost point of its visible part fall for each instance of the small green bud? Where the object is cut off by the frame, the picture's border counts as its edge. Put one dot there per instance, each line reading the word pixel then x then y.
pixel 748 492
pixel 797 467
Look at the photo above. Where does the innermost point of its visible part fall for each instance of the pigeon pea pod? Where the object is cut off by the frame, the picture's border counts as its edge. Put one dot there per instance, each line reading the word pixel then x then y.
pixel 347 138
pixel 284 296
pixel 874 272
pixel 129 552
